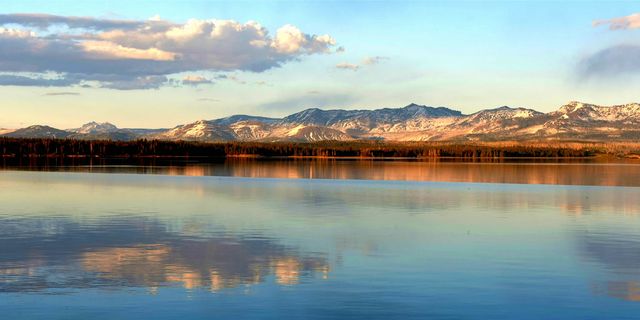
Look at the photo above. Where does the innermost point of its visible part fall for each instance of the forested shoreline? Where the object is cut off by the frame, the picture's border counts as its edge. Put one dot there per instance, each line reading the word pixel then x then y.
pixel 20 148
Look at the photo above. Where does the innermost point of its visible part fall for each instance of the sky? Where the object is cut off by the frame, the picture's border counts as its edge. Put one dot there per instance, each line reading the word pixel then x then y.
pixel 157 64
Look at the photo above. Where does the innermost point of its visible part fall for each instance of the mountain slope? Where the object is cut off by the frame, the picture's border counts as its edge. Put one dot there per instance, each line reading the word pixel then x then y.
pixel 572 121
pixel 39 131
pixel 201 130
pixel 577 120
pixel 94 127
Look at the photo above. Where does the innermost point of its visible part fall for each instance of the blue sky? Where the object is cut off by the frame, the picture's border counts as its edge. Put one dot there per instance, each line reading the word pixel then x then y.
pixel 467 55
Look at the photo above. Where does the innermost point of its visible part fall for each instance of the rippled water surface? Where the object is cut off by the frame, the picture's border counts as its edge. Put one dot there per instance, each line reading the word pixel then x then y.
pixel 87 245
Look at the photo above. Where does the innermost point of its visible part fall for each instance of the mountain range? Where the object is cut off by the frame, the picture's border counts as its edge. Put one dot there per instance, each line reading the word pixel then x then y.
pixel 572 121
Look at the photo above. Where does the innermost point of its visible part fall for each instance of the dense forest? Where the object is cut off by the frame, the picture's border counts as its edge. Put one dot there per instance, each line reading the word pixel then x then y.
pixel 20 148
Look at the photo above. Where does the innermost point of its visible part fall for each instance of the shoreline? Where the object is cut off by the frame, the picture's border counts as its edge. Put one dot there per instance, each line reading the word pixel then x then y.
pixel 12 148
pixel 597 157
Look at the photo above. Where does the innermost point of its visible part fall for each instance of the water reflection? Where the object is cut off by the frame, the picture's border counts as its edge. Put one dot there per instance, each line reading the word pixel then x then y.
pixel 618 252
pixel 390 249
pixel 629 290
pixel 619 255
pixel 141 253
pixel 550 171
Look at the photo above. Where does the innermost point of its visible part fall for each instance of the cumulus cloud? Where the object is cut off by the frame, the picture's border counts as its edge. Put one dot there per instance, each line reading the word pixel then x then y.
pixel 142 53
pixel 194 80
pixel 628 22
pixel 109 50
pixel 290 39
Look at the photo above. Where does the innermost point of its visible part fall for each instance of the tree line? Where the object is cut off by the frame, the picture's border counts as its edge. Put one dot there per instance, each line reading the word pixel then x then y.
pixel 19 147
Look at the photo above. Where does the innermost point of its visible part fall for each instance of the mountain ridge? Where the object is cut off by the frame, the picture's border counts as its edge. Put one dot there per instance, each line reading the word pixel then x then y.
pixel 573 120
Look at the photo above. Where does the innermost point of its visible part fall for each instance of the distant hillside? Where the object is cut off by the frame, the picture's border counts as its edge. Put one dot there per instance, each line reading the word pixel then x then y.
pixel 573 121
pixel 39 131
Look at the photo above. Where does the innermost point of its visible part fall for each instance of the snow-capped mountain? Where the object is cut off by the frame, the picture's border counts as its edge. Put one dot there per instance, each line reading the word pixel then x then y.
pixel 242 117
pixel 312 133
pixel 201 130
pixel 367 118
pixel 573 121
pixel 94 127
pixel 101 131
pixel 577 120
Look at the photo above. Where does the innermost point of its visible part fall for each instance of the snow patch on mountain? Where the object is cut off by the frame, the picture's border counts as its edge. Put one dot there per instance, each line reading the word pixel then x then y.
pixel 95 127
pixel 574 120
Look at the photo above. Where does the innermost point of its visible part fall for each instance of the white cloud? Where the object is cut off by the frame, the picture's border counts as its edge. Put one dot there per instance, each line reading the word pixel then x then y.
pixel 367 61
pixel 373 60
pixel 347 66
pixel 628 22
pixel 140 53
pixel 290 39
pixel 110 50
pixel 195 80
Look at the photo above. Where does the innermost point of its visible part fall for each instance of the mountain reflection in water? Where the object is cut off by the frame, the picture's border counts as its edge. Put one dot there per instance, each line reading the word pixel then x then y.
pixel 523 171
pixel 203 246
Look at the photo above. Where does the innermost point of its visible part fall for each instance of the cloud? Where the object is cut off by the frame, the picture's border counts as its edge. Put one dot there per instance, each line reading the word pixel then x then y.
pixel 194 80
pixel 25 81
pixel 140 52
pixel 297 103
pixel 109 50
pixel 208 100
pixel 231 77
pixel 367 61
pixel 373 60
pixel 44 21
pixel 348 66
pixel 138 83
pixel 611 62
pixel 628 22
pixel 62 93
pixel 290 39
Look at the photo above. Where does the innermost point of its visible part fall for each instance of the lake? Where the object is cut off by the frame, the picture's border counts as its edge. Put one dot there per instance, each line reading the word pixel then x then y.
pixel 365 240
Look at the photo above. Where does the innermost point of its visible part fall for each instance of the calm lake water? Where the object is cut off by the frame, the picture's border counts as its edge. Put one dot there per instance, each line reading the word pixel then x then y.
pixel 371 240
